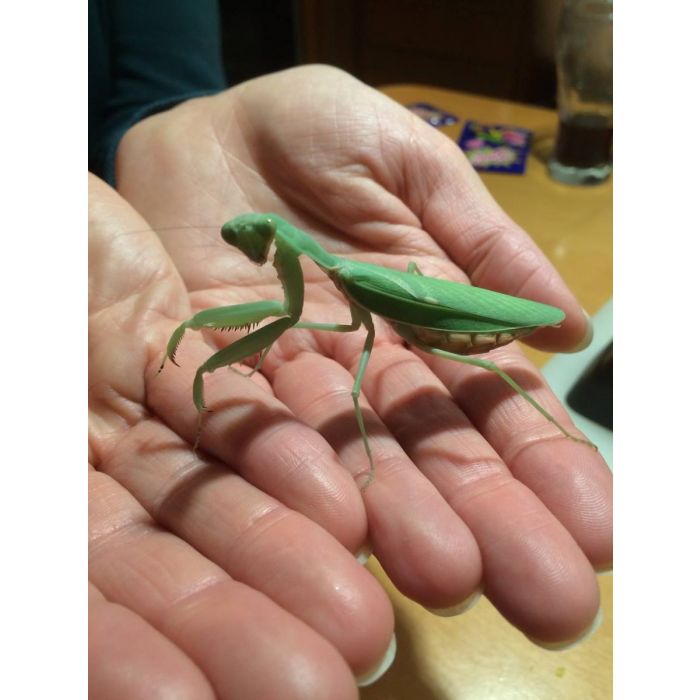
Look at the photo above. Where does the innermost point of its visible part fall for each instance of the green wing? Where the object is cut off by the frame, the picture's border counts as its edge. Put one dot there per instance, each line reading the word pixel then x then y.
pixel 439 304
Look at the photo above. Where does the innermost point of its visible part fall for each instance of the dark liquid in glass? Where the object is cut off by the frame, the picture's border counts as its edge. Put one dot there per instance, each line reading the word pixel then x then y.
pixel 584 141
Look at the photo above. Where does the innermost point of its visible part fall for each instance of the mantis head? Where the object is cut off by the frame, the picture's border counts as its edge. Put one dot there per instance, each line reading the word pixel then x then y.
pixel 252 234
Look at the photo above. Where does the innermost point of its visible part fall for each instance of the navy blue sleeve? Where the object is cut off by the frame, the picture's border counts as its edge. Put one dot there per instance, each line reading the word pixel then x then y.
pixel 145 57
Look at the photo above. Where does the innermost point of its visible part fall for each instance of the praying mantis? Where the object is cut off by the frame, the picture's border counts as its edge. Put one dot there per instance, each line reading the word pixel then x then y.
pixel 440 317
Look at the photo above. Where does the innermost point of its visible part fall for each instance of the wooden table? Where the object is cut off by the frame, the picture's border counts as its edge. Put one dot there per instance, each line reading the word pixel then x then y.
pixel 479 656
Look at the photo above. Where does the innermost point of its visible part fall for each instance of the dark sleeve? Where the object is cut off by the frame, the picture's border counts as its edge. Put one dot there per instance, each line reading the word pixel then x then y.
pixel 145 57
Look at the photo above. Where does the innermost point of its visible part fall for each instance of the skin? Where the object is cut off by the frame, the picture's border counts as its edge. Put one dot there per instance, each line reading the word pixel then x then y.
pixel 212 583
pixel 474 489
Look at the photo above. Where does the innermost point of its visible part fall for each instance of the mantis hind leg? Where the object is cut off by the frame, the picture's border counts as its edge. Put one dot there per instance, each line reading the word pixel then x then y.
pixel 491 367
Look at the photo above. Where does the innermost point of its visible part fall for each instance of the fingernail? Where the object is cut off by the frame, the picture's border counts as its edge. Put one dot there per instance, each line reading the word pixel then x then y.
pixel 588 337
pixel 460 608
pixel 381 668
pixel 563 646
pixel 364 553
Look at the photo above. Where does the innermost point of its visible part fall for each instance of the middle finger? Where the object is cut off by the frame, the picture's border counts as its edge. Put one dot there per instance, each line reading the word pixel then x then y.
pixel 534 571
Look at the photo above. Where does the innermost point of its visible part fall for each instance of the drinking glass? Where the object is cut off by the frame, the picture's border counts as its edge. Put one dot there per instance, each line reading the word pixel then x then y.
pixel 583 151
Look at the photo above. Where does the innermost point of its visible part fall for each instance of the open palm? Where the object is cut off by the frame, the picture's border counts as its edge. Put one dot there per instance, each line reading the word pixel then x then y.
pixel 215 588
pixel 474 489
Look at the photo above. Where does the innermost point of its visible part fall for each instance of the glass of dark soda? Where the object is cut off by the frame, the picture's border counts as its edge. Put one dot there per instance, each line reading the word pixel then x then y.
pixel 582 153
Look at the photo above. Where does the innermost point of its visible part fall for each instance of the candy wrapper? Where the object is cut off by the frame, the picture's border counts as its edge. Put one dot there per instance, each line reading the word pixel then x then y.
pixel 496 148
pixel 431 114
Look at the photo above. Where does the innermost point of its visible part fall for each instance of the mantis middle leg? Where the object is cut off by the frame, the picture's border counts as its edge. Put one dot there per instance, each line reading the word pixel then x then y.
pixel 359 317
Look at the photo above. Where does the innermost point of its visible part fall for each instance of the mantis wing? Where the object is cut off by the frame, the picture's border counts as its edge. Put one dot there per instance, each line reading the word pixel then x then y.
pixel 427 302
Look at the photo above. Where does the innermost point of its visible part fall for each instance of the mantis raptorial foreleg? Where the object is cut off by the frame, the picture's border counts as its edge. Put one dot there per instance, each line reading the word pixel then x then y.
pixel 252 344
pixel 223 318
pixel 286 262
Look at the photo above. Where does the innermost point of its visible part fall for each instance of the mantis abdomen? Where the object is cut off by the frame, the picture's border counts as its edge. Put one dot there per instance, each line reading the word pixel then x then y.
pixel 459 343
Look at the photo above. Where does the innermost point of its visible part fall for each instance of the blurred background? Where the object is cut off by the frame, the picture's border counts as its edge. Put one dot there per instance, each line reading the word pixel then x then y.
pixel 498 48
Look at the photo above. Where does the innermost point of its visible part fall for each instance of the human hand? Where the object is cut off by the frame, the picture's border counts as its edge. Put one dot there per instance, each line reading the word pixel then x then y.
pixel 202 585
pixel 473 487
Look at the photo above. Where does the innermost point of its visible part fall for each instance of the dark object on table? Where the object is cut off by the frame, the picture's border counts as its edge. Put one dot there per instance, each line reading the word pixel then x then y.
pixel 592 395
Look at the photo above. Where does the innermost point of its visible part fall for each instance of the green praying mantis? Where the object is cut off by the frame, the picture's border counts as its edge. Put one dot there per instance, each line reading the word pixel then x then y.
pixel 440 317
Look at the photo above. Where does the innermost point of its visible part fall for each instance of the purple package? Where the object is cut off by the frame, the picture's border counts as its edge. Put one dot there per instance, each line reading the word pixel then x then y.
pixel 431 114
pixel 496 148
